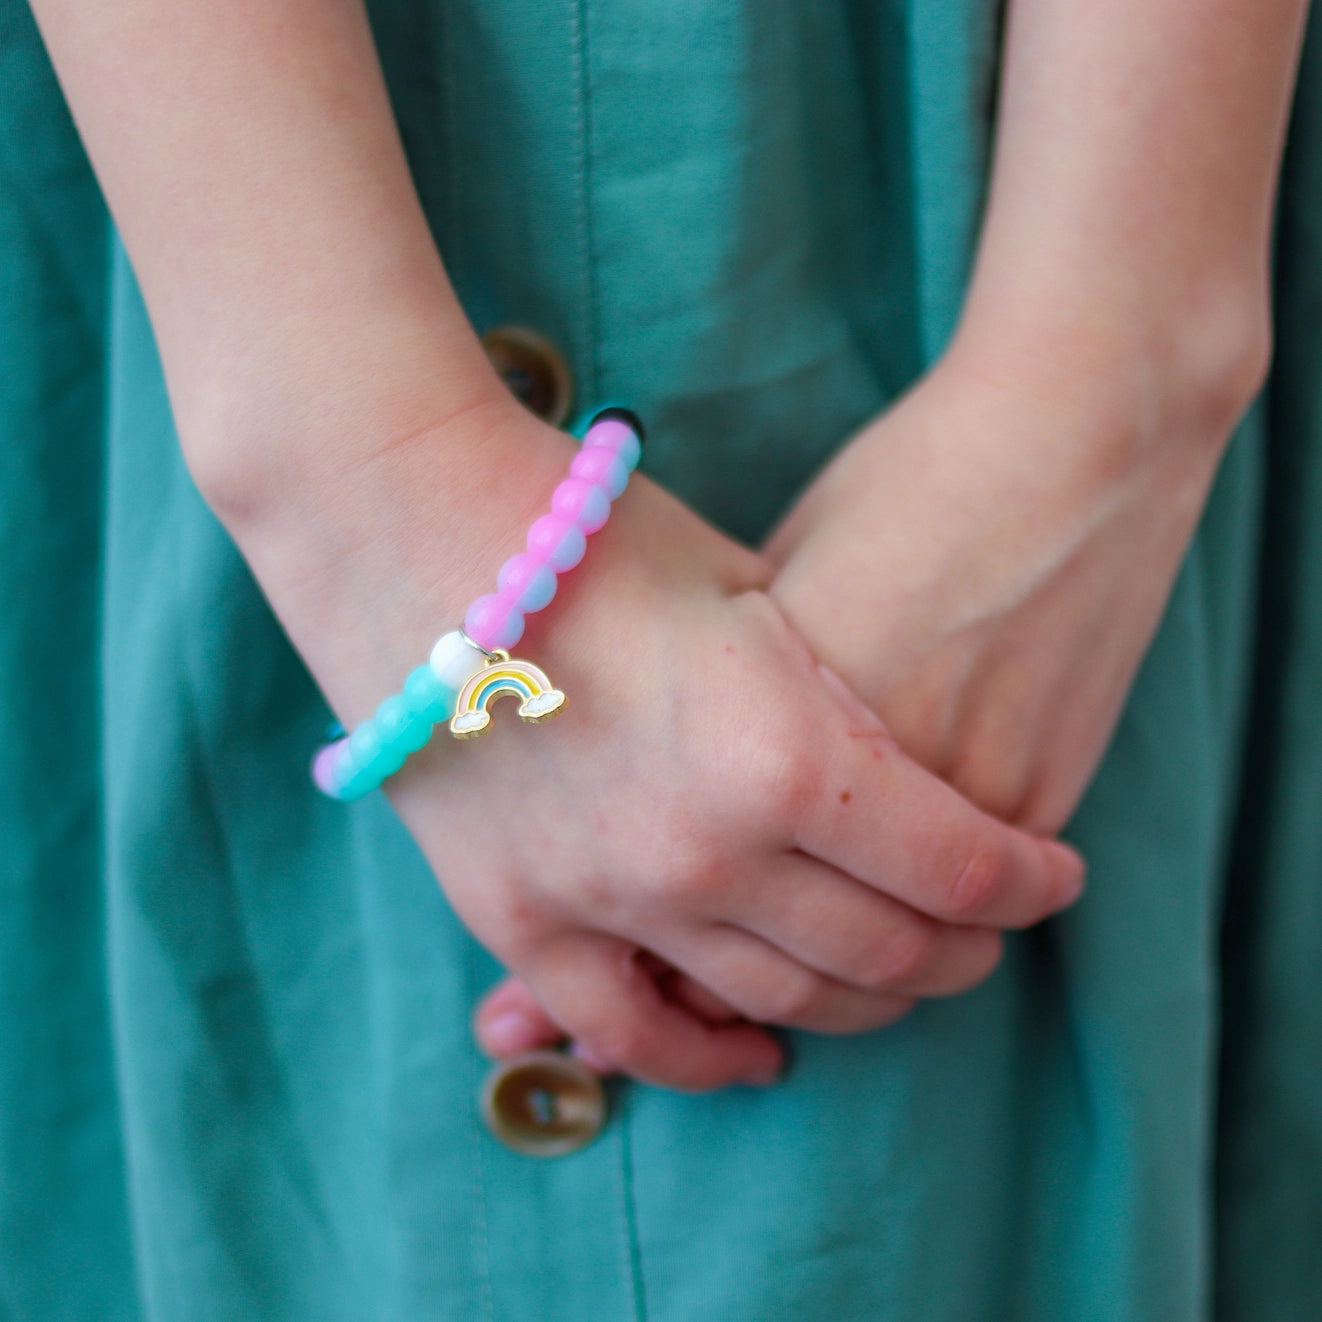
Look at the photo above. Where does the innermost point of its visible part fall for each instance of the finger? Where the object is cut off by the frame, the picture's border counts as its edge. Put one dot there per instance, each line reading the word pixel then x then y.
pixel 769 987
pixel 510 1019
pixel 680 988
pixel 595 987
pixel 704 1002
pixel 854 934
pixel 677 988
pixel 880 817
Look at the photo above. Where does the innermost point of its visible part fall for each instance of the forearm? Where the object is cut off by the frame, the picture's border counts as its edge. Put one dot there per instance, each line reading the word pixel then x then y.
pixel 1121 283
pixel 987 561
pixel 333 403
pixel 250 158
pixel 1125 246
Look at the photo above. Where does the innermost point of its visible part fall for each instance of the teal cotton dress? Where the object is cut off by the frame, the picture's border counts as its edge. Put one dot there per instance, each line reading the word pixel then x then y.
pixel 237 1079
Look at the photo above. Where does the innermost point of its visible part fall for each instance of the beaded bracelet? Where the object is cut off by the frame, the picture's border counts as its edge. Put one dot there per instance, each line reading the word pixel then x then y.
pixel 470 668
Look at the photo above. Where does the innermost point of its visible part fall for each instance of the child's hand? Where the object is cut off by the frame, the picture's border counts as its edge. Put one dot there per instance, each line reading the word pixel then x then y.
pixel 708 796
pixel 987 562
pixel 711 798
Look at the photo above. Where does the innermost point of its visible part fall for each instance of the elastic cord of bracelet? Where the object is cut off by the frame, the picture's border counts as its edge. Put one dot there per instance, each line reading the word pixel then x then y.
pixel 470 667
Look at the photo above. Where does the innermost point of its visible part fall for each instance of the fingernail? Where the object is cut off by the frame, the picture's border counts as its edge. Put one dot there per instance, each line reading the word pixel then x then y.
pixel 590 1059
pixel 507 1033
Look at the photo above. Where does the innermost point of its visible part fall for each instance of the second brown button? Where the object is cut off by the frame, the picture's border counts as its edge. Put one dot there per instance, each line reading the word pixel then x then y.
pixel 533 370
pixel 544 1104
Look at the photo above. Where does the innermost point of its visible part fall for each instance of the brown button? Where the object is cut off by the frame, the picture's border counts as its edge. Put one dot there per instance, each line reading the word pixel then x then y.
pixel 544 1104
pixel 533 370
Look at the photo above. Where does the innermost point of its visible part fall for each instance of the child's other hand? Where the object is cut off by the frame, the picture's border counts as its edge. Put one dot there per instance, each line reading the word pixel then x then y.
pixel 511 1020
pixel 986 563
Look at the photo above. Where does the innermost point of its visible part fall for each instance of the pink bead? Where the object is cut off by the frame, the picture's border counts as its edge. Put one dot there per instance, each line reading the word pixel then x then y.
pixel 526 581
pixel 557 541
pixel 602 466
pixel 516 573
pixel 583 501
pixel 493 622
pixel 610 433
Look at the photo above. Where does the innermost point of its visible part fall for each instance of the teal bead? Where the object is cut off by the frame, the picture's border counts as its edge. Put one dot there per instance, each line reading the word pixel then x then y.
pixel 427 697
pixel 400 727
pixel 364 744
pixel 403 722
pixel 358 784
pixel 392 718
pixel 388 760
pixel 417 734
pixel 341 773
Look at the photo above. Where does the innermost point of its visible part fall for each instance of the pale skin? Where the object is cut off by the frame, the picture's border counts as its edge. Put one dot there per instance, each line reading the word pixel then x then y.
pixel 816 871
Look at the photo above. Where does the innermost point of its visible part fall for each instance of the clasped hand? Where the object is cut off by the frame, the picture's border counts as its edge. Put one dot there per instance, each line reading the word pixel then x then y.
pixel 986 565
pixel 717 835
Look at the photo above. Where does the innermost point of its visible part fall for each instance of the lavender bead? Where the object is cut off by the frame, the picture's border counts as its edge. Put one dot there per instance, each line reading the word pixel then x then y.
pixel 602 466
pixel 526 581
pixel 557 541
pixel 583 501
pixel 492 622
pixel 617 436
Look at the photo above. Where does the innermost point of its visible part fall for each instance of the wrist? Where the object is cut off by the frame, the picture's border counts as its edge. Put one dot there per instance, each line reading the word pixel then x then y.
pixel 1144 368
pixel 974 492
pixel 370 548
pixel 471 666
pixel 266 424
pixel 367 563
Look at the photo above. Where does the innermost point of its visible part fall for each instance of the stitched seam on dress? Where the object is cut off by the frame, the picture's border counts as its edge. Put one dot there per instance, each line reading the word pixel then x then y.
pixel 583 186
pixel 452 227
pixel 630 1249
pixel 452 259
pixel 485 1295
pixel 630 1257
pixel 134 1193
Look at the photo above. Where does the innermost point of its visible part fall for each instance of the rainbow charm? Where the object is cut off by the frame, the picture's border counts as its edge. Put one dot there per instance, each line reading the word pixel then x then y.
pixel 538 698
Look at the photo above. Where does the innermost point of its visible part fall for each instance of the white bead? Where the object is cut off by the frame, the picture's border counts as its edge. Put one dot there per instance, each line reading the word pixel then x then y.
pixel 454 659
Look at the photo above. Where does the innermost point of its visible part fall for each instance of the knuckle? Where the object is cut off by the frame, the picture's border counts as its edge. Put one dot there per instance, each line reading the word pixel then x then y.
pixel 977 882
pixel 905 958
pixel 692 881
pixel 685 864
pixel 596 893
pixel 519 928
pixel 784 780
pixel 521 919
